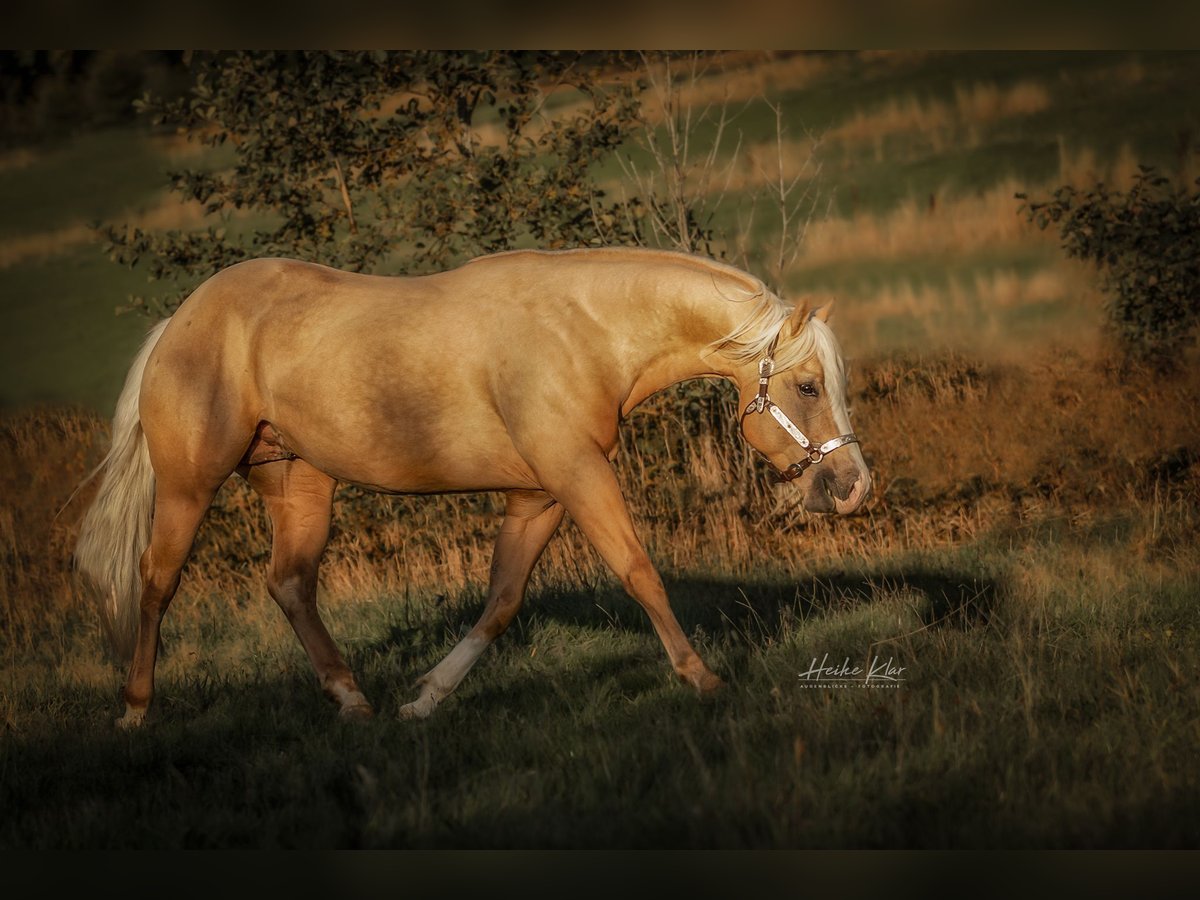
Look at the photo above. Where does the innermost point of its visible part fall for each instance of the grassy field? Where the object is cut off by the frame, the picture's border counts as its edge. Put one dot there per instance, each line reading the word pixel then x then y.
pixel 1044 614
pixel 1030 558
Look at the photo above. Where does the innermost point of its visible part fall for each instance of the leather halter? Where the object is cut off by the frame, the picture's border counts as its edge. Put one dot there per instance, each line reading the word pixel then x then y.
pixel 762 403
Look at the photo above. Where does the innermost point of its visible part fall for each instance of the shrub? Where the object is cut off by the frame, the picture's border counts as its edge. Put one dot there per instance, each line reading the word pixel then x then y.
pixel 1146 243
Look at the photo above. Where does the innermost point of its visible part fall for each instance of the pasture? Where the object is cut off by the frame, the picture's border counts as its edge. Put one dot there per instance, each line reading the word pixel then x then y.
pixel 1030 558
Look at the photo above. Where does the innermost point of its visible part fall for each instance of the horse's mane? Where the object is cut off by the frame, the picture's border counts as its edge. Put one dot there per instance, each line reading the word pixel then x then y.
pixel 768 313
pixel 749 340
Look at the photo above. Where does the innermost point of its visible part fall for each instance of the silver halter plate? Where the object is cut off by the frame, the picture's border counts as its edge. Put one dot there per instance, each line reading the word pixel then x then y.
pixel 763 403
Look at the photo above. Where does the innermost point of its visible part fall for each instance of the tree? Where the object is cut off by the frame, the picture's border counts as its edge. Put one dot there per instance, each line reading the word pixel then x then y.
pixel 374 161
pixel 1146 242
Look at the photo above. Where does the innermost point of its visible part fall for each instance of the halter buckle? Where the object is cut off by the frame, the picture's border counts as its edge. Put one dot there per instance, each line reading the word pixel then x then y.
pixel 791 473
pixel 766 367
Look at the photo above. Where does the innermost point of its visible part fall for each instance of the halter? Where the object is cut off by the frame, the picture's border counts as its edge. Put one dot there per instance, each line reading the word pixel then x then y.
pixel 762 403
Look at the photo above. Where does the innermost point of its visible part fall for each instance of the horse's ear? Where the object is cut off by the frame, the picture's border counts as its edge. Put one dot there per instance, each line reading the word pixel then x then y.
pixel 799 317
pixel 823 312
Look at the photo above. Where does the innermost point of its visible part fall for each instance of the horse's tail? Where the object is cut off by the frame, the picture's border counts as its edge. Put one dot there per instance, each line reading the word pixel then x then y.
pixel 116 529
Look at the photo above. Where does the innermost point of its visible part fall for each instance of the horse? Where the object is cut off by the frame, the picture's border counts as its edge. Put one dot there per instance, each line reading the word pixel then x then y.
pixel 509 373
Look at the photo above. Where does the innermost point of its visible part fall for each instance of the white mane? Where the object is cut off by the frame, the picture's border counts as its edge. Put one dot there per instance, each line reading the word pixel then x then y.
pixel 750 340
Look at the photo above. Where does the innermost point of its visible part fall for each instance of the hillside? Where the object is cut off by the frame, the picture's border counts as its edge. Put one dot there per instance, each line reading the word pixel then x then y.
pixel 913 227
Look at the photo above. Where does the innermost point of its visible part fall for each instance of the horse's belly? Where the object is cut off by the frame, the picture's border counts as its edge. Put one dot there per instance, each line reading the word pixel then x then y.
pixel 400 459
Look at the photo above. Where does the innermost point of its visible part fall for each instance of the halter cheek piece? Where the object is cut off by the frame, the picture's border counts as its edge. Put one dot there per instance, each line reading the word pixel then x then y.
pixel 762 403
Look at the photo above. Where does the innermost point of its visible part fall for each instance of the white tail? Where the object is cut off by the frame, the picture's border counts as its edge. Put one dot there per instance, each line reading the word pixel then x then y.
pixel 116 529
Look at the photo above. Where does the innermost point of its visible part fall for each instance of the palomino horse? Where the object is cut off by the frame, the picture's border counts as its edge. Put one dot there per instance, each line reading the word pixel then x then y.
pixel 510 373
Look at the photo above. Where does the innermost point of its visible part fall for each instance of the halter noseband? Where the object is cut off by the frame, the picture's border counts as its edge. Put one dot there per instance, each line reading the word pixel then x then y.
pixel 762 403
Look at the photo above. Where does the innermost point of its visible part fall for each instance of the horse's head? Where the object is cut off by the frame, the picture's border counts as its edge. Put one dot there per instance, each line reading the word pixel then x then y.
pixel 798 418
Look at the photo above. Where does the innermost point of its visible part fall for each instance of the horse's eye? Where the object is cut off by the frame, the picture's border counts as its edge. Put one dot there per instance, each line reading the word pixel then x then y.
pixel 808 389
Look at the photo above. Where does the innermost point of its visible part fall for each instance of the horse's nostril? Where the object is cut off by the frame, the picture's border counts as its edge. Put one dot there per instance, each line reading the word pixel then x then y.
pixel 843 489
pixel 826 483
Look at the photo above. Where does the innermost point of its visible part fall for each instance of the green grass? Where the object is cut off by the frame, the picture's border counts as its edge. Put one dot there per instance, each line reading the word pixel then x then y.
pixel 60 341
pixel 932 271
pixel 90 178
pixel 1043 714
pixel 1087 110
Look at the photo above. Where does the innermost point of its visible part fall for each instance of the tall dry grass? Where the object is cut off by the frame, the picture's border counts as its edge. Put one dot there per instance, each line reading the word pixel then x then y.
pixel 962 451
pixel 937 124
pixel 165 213
pixel 936 226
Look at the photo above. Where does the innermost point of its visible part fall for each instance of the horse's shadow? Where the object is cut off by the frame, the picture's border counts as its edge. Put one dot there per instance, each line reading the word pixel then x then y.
pixel 730 616
pixel 738 612
pixel 738 615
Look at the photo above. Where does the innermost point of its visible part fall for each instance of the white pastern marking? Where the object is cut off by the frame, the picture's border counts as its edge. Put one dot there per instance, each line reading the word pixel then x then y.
pixel 445 676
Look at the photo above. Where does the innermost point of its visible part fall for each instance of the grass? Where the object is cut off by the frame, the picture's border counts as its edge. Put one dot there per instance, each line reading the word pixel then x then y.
pixel 1029 558
pixel 64 307
pixel 60 341
pixel 1041 603
pixel 91 177
pixel 571 734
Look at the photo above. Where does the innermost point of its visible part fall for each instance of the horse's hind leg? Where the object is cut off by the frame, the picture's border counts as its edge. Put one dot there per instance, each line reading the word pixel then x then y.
pixel 299 501
pixel 530 519
pixel 177 516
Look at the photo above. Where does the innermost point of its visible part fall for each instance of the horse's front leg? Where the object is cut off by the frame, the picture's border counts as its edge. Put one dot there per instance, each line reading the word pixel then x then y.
pixel 590 493
pixel 530 519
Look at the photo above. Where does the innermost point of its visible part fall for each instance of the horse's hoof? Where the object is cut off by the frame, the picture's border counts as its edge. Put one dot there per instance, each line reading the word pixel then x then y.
pixel 359 712
pixel 419 708
pixel 133 718
pixel 708 685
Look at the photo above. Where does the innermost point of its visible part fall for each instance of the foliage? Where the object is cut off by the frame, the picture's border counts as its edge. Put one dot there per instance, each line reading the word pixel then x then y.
pixel 409 161
pixel 1146 241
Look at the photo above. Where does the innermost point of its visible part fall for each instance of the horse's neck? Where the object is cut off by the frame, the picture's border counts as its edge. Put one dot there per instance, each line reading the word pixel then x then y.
pixel 679 348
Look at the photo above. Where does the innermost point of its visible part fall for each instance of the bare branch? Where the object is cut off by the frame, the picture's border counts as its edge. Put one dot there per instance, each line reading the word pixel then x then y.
pixel 693 157
pixel 345 196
